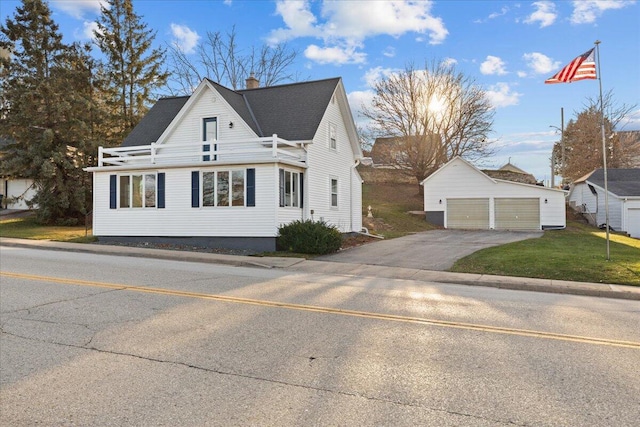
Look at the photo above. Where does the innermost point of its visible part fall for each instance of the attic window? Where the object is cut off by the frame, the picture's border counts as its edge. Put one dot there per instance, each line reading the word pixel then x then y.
pixel 333 135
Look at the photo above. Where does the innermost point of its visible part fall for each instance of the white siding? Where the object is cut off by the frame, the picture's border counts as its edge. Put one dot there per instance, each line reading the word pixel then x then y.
pixel 581 195
pixel 324 164
pixel 206 104
pixel 22 188
pixel 458 180
pixel 178 218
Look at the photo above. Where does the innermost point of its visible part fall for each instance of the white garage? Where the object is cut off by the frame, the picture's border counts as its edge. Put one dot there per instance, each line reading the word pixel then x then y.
pixel 459 195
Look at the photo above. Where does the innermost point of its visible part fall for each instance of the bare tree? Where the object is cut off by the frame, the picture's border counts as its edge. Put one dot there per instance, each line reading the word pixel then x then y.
pixel 583 139
pixel 433 114
pixel 221 59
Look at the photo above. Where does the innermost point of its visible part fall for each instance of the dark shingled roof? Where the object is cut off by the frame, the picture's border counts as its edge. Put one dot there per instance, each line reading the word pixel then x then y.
pixel 621 182
pixel 291 111
pixel 155 121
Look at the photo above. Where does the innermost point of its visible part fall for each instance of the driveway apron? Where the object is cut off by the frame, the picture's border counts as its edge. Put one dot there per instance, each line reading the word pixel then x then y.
pixel 430 250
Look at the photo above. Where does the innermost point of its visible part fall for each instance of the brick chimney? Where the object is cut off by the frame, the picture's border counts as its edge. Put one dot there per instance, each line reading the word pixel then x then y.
pixel 252 82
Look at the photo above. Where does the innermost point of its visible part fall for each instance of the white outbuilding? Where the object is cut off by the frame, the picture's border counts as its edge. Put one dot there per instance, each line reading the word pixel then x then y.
pixel 459 195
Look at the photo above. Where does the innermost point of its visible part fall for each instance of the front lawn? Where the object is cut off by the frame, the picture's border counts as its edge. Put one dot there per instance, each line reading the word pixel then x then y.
pixel 27 228
pixel 577 253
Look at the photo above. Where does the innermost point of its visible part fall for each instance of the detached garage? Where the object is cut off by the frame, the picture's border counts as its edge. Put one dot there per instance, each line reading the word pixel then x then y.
pixel 459 195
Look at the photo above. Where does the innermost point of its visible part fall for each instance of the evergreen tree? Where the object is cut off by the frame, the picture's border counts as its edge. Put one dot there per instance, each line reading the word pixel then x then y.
pixel 50 126
pixel 134 69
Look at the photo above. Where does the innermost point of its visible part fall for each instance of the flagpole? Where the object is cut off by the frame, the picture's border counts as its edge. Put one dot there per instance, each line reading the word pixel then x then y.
pixel 604 149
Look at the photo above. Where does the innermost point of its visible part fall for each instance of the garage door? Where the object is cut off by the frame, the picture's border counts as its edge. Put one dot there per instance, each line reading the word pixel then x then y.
pixel 517 214
pixel 468 214
pixel 633 223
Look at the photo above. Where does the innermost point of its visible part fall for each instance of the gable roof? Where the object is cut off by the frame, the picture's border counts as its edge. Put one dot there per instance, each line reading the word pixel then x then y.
pixel 621 182
pixel 458 159
pixel 293 111
pixel 155 121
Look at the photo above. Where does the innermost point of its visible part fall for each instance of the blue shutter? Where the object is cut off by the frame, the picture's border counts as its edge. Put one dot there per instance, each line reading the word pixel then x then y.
pixel 251 187
pixel 281 186
pixel 113 191
pixel 195 189
pixel 160 190
pixel 301 190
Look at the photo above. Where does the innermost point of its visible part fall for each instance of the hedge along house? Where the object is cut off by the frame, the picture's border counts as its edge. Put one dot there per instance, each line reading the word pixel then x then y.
pixel 226 168
pixel 459 195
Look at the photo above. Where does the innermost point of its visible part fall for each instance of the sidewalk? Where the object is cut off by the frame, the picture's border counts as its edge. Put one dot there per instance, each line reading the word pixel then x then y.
pixel 359 270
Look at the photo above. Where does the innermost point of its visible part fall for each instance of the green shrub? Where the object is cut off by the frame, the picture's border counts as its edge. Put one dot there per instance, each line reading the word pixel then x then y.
pixel 309 237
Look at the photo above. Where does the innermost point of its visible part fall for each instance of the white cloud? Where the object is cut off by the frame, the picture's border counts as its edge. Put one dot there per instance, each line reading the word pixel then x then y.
pixel 389 52
pixel 545 14
pixel 88 28
pixel 631 121
pixel 493 15
pixel 185 38
pixel 539 63
pixel 587 11
pixel 501 95
pixel 493 65
pixel 335 55
pixel 341 23
pixel 78 8
pixel 449 62
pixel 373 75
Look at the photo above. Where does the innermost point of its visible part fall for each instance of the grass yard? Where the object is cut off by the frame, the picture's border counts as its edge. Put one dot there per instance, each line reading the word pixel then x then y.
pixel 577 253
pixel 390 205
pixel 27 228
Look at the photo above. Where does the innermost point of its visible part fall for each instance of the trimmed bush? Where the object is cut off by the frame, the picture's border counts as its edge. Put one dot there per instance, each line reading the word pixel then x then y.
pixel 309 237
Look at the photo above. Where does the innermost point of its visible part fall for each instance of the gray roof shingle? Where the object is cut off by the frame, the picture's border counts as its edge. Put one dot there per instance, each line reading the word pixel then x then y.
pixel 621 182
pixel 154 123
pixel 292 111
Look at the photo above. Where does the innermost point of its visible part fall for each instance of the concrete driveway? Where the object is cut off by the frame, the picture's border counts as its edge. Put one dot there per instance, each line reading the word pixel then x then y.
pixel 430 250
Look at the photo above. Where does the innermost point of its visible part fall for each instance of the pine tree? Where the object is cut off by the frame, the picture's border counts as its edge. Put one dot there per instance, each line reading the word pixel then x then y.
pixel 133 68
pixel 51 127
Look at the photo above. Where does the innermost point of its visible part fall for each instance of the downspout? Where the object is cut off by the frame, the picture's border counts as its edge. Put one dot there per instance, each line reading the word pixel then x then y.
pixel 353 167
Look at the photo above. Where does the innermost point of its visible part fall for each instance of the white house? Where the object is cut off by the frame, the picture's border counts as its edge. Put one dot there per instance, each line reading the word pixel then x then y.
pixel 459 195
pixel 15 192
pixel 587 196
pixel 227 168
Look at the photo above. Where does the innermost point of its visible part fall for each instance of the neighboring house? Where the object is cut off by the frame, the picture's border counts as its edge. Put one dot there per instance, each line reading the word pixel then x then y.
pixel 459 195
pixel 587 196
pixel 227 168
pixel 389 152
pixel 510 172
pixel 15 191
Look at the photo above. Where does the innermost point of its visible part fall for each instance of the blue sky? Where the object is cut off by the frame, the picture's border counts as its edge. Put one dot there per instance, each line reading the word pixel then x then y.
pixel 508 47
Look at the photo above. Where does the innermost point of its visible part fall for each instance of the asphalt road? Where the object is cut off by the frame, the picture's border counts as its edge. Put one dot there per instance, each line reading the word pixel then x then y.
pixel 429 250
pixel 104 340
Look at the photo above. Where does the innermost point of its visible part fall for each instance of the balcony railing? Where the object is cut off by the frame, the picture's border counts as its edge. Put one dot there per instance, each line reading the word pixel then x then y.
pixel 228 151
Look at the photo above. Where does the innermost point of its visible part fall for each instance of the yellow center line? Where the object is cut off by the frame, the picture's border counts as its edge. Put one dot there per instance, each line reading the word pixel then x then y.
pixel 329 310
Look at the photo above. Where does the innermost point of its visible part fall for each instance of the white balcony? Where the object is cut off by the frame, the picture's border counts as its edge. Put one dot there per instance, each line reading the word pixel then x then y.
pixel 223 152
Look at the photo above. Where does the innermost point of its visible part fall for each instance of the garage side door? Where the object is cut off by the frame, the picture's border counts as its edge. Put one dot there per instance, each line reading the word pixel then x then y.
pixel 633 223
pixel 468 214
pixel 517 214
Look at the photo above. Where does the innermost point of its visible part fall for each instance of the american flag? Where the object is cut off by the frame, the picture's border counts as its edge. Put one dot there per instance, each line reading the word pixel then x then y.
pixel 581 68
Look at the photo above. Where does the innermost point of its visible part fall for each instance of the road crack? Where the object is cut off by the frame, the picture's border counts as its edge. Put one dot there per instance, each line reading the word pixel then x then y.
pixel 272 381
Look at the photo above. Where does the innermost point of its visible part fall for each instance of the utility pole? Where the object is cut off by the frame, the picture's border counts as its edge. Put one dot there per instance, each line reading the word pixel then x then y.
pixel 562 141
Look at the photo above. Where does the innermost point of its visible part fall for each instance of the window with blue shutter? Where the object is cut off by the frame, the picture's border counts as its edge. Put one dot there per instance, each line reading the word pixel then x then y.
pixel 281 186
pixel 113 191
pixel 160 190
pixel 301 190
pixel 251 187
pixel 195 189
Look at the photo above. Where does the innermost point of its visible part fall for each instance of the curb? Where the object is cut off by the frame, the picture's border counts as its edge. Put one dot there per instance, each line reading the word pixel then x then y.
pixel 355 270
